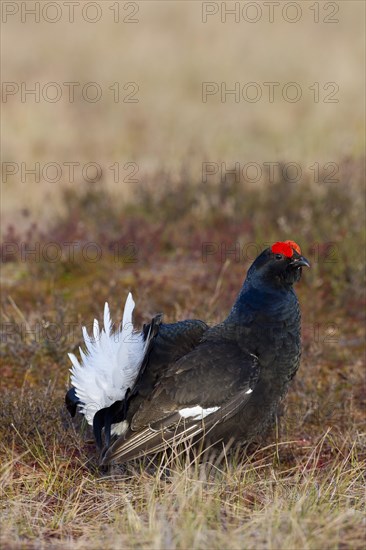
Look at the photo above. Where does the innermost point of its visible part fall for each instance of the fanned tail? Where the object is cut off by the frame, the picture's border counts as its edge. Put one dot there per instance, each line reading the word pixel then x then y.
pixel 110 364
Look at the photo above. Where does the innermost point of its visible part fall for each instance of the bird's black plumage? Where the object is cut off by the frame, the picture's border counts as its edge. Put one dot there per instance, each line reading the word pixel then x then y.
pixel 221 383
pixel 71 401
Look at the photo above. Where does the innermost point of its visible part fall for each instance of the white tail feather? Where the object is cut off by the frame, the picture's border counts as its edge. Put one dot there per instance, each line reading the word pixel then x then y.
pixel 107 319
pixel 110 364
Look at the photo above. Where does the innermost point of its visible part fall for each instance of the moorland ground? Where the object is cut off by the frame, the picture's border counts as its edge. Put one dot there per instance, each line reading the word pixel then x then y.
pixel 182 243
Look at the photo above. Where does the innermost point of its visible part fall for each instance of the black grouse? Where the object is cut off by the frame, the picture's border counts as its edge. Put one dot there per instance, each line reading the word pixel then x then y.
pixel 150 390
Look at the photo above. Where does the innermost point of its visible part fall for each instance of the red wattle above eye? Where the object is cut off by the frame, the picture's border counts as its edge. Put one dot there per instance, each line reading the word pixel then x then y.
pixel 294 245
pixel 286 248
pixel 282 248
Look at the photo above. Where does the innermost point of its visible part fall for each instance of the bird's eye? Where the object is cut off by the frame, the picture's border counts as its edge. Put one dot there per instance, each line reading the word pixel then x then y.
pixel 279 256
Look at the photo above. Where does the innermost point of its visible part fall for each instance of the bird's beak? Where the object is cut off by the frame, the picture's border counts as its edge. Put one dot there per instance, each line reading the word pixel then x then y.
pixel 300 262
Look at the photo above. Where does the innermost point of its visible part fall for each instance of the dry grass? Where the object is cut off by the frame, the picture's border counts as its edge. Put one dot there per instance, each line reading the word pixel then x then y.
pixel 293 494
pixel 302 485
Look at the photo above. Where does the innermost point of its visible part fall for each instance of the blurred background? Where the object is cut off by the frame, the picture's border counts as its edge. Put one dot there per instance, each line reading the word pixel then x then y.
pixel 166 51
pixel 157 147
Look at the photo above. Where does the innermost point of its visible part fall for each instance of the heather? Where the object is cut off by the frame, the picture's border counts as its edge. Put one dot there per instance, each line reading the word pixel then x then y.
pixel 179 226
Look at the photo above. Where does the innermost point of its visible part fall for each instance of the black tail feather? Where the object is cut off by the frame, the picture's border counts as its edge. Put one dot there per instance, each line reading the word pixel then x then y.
pixel 72 401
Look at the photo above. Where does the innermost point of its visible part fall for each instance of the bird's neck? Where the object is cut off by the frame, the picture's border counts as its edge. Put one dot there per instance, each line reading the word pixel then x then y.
pixel 255 300
pixel 261 318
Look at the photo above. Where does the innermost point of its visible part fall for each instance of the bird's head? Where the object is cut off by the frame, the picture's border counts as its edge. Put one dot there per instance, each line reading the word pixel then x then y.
pixel 280 265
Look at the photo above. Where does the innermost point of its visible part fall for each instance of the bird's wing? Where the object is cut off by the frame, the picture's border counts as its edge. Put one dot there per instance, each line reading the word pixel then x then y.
pixel 203 388
pixel 172 342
